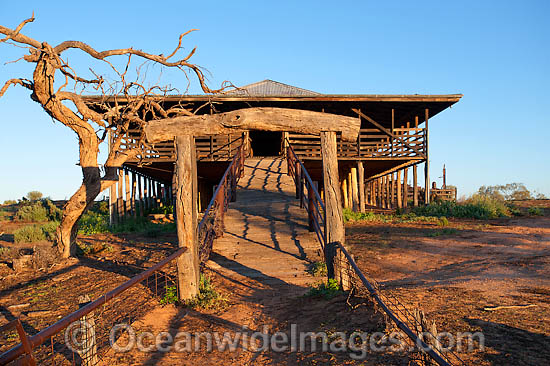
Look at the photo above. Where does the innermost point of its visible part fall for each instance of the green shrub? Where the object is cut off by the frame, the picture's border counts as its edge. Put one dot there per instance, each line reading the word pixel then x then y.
pixel 10 202
pixel 54 213
pixel 326 290
pixel 34 212
pixel 34 195
pixel 170 296
pixel 208 297
pixel 535 211
pixel 33 233
pixel 443 221
pixel 50 230
pixel 28 234
pixel 476 207
pixel 318 269
pixel 93 223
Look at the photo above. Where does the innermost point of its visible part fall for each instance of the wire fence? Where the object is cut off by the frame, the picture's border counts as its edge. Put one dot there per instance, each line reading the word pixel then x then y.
pixel 420 334
pixel 84 337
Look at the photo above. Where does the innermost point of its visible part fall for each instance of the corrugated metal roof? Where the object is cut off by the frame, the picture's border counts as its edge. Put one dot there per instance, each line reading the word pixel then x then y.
pixel 267 88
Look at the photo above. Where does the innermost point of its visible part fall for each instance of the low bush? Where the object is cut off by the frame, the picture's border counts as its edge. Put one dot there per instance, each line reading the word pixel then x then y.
pixel 10 202
pixel 28 234
pixel 535 211
pixel 208 297
pixel 326 290
pixel 35 212
pixel 317 269
pixel 170 296
pixel 34 233
pixel 476 207
pixel 93 223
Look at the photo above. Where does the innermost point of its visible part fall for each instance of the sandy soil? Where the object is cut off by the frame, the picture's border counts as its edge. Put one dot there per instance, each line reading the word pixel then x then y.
pixel 456 271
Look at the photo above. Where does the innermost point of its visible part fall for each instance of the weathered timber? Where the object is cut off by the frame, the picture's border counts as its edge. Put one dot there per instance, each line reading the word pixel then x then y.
pixel 334 219
pixel 415 187
pixel 398 189
pixel 389 133
pixel 405 187
pixel 361 181
pixel 186 218
pixel 264 119
pixel 345 192
pixel 127 204
pixel 355 189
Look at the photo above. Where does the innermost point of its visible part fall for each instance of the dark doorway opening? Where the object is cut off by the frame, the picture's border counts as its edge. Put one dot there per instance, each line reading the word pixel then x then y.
pixel 266 143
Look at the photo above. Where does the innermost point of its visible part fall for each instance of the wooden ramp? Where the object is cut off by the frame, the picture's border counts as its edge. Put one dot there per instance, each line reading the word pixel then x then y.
pixel 266 236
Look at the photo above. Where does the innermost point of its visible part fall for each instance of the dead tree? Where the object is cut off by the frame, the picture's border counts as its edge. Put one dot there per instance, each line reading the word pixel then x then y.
pixel 92 123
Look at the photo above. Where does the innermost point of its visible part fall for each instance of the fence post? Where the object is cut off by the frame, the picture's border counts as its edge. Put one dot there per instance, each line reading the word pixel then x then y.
pixel 88 353
pixel 311 206
pixel 297 175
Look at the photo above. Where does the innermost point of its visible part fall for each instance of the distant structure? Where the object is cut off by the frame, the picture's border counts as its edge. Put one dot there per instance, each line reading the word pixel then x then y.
pixel 374 171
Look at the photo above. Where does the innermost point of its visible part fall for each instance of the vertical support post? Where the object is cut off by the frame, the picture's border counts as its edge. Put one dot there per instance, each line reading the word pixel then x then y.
pixel 361 181
pixel 405 187
pixel 127 191
pixel 427 164
pixel 311 206
pixel 354 189
pixel 392 190
pixel 120 200
pixel 140 195
pixel 133 195
pixel 415 186
pixel 392 128
pixel 186 217
pixel 112 203
pixel 388 199
pixel 399 196
pixel 333 203
pixel 345 191
pixel 378 192
pixel 297 175
pixel 88 354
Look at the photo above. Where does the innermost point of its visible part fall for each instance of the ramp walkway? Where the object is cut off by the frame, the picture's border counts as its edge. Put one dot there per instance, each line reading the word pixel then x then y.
pixel 266 237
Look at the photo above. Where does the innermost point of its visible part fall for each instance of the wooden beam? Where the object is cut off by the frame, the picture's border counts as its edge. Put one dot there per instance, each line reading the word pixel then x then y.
pixel 186 218
pixel 415 187
pixel 389 133
pixel 405 187
pixel 264 119
pixel 334 219
pixel 399 196
pixel 354 189
pixel 361 182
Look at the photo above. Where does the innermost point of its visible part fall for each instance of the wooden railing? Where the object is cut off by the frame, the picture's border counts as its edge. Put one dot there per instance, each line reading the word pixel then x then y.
pixel 209 148
pixel 308 194
pixel 371 143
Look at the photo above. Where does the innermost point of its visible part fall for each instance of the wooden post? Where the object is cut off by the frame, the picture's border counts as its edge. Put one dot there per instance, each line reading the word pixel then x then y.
pixel 133 196
pixel 112 204
pixel 392 191
pixel 388 197
pixel 378 202
pixel 361 181
pixel 120 200
pixel 334 219
pixel 186 217
pixel 405 187
pixel 345 192
pixel 398 190
pixel 145 195
pixel 415 187
pixel 127 189
pixel 88 353
pixel 354 189
pixel 311 207
pixel 297 171
pixel 350 192
pixel 427 163
pixel 140 196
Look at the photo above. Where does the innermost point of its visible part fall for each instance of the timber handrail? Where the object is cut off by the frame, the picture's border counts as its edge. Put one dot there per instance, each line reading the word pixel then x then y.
pixel 315 203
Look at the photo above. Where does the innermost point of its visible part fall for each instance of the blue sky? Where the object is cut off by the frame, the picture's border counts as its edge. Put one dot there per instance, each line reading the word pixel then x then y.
pixel 496 53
